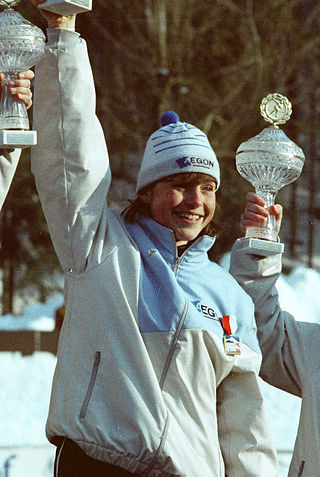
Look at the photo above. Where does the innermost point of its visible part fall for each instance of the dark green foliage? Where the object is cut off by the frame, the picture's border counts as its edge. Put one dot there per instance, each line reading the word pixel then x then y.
pixel 27 257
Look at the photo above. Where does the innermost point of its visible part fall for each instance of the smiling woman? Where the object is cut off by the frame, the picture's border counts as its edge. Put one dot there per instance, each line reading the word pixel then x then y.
pixel 148 381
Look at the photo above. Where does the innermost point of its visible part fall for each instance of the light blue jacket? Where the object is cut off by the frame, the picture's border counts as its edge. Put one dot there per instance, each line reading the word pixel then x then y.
pixel 142 378
pixel 170 284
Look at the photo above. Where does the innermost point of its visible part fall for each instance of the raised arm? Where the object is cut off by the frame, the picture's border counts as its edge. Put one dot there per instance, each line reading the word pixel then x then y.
pixel 70 162
pixel 287 345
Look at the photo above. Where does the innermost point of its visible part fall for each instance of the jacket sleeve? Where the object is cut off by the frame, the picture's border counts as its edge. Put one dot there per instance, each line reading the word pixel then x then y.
pixel 244 433
pixel 289 347
pixel 8 166
pixel 70 162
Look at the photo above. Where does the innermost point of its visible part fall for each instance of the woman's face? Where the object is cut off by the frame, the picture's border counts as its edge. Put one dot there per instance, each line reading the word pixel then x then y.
pixel 184 207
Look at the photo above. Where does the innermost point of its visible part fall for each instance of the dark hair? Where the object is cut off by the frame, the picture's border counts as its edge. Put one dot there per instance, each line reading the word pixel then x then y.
pixel 137 206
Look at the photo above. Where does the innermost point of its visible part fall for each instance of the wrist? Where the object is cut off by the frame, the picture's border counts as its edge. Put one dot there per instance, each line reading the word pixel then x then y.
pixel 63 22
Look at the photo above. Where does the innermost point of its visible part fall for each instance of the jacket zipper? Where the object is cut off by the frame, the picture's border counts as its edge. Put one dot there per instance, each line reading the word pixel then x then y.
pixel 161 384
pixel 301 468
pixel 162 442
pixel 91 385
pixel 178 259
pixel 180 324
pixel 167 365
pixel 173 345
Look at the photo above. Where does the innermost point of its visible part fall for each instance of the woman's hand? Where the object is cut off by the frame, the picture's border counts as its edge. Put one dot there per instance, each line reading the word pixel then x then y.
pixel 256 213
pixel 21 87
pixel 54 20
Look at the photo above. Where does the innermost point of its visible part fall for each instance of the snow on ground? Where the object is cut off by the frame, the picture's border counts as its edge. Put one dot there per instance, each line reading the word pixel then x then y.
pixel 25 384
pixel 24 396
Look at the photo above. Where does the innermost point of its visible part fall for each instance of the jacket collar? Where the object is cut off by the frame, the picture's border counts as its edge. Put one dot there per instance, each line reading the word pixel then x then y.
pixel 163 240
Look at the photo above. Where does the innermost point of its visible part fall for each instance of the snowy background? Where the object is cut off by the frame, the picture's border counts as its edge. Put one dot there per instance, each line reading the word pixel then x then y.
pixel 25 385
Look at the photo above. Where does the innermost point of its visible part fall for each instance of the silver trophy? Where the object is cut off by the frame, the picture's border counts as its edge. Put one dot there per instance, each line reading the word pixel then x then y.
pixel 67 7
pixel 21 46
pixel 269 161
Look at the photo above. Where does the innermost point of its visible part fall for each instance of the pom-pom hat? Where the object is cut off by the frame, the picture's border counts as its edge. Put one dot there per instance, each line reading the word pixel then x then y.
pixel 175 148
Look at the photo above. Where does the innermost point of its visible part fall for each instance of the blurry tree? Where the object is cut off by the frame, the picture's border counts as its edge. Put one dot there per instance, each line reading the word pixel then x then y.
pixel 212 61
pixel 27 258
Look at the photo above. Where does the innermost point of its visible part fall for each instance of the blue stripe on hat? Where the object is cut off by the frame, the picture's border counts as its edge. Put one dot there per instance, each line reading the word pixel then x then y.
pixel 185 140
pixel 188 144
pixel 175 132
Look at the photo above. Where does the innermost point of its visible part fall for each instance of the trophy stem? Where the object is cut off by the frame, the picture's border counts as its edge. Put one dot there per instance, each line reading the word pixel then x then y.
pixel 269 195
pixel 268 230
pixel 13 112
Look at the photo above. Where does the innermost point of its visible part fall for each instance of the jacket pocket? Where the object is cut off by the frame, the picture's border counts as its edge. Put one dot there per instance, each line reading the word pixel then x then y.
pixel 301 468
pixel 91 385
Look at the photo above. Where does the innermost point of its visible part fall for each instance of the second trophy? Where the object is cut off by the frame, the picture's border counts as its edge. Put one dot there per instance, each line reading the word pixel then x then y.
pixel 269 161
pixel 21 46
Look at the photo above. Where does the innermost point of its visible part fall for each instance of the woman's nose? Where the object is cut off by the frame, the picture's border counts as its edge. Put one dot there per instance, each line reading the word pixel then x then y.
pixel 193 196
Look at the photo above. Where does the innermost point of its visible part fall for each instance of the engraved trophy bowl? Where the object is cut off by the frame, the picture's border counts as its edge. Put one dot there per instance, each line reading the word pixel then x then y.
pixel 270 161
pixel 21 46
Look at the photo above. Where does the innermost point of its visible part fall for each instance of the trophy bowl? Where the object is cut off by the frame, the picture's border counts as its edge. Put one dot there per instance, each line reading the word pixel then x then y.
pixel 270 161
pixel 21 43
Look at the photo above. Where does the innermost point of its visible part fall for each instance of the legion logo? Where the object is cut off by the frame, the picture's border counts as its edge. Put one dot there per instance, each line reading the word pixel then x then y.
pixel 187 161
pixel 205 310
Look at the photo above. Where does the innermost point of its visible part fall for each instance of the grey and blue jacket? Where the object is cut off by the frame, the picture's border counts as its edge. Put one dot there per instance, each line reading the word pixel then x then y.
pixel 143 380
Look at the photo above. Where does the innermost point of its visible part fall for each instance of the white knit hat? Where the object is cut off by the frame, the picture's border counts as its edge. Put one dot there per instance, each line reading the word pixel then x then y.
pixel 175 148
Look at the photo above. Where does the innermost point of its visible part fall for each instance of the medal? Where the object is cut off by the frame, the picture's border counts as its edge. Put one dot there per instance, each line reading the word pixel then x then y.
pixel 231 343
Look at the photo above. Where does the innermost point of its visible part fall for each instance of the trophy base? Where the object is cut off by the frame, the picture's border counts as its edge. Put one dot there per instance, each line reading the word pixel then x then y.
pixel 264 248
pixel 17 139
pixel 263 233
pixel 67 7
